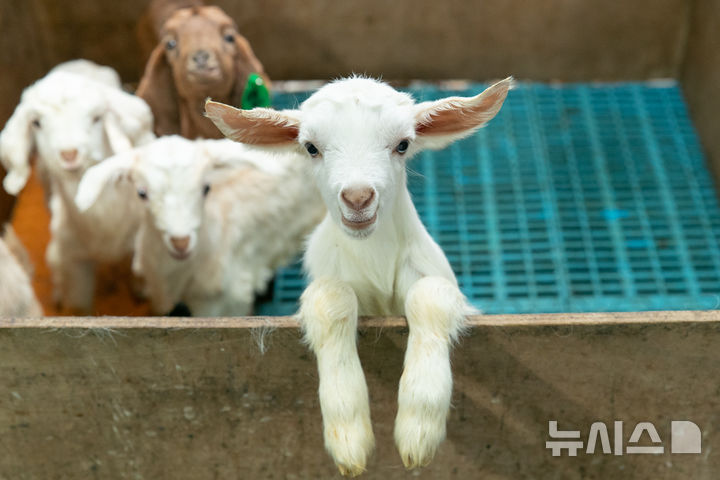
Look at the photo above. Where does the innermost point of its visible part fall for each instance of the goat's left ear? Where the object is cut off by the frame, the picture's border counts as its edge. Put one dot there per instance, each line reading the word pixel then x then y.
pixel 129 121
pixel 259 126
pixel 101 176
pixel 443 121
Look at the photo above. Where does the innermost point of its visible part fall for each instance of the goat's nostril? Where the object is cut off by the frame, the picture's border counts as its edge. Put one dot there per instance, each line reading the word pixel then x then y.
pixel 357 198
pixel 180 243
pixel 69 155
pixel 201 57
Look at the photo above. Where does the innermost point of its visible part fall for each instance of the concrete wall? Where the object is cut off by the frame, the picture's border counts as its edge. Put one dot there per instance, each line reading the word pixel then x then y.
pixel 562 40
pixel 300 39
pixel 201 402
pixel 700 77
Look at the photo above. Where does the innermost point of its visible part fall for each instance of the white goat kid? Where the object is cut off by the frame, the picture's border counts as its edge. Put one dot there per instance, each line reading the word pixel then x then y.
pixel 372 255
pixel 72 122
pixel 220 218
pixel 17 298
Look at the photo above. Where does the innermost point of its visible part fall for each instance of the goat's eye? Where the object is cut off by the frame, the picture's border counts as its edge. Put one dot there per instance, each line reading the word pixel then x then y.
pixel 312 149
pixel 402 147
pixel 36 123
pixel 96 118
pixel 206 189
pixel 170 44
pixel 229 37
pixel 142 193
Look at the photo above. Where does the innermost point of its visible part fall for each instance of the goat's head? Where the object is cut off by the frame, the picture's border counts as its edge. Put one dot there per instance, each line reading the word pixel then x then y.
pixel 360 133
pixel 200 55
pixel 72 122
pixel 172 177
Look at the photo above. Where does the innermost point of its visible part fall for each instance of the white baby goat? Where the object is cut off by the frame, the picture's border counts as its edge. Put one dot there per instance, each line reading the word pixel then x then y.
pixel 17 298
pixel 73 121
pixel 212 235
pixel 372 255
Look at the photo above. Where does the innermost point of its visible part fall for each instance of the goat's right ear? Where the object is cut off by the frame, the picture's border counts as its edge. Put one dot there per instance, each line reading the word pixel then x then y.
pixel 443 121
pixel 16 145
pixel 259 126
pixel 158 90
pixel 100 176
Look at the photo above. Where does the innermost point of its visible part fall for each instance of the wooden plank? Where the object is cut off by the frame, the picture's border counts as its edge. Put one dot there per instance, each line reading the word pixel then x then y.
pixel 198 402
pixel 549 319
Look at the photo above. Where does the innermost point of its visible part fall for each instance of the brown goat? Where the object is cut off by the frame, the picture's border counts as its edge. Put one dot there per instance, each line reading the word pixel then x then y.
pixel 200 55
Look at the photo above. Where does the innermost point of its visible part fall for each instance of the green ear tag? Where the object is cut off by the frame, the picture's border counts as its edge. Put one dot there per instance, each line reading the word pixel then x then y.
pixel 256 93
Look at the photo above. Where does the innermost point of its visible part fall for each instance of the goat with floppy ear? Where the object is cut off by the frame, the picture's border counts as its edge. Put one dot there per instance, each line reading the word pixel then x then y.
pixel 200 55
pixel 372 255
pixel 76 114
pixel 73 121
pixel 219 219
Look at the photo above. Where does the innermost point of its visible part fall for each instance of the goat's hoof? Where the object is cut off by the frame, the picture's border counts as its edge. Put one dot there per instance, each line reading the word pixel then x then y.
pixel 350 471
pixel 417 439
pixel 350 445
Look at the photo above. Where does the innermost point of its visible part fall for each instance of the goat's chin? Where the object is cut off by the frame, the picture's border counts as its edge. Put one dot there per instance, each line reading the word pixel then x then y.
pixel 359 234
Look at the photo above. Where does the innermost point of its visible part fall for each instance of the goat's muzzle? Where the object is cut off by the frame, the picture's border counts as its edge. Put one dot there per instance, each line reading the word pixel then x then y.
pixel 69 159
pixel 358 201
pixel 357 198
pixel 180 246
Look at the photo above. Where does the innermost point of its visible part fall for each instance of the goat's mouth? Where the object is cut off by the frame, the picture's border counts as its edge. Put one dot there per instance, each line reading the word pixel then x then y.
pixel 205 75
pixel 359 224
pixel 180 255
pixel 71 166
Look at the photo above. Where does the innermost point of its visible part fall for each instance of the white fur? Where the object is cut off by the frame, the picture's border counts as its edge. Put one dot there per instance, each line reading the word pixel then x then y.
pixel 62 112
pixel 390 267
pixel 17 298
pixel 88 69
pixel 255 217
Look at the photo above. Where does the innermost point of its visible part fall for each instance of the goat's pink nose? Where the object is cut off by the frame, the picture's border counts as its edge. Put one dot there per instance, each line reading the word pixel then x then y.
pixel 180 243
pixel 69 155
pixel 357 198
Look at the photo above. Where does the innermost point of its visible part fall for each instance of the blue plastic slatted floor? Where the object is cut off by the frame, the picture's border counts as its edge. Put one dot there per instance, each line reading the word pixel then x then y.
pixel 575 198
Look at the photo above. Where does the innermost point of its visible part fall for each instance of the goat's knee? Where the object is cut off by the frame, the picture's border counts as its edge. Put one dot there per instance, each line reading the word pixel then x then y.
pixel 435 308
pixel 435 311
pixel 73 278
pixel 329 316
pixel 328 308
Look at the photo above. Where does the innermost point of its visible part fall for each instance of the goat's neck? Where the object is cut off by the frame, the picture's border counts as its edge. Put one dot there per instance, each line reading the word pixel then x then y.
pixel 192 121
pixel 67 188
pixel 382 252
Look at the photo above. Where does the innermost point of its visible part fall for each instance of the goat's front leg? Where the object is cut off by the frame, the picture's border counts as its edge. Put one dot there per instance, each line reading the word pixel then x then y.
pixel 73 277
pixel 435 311
pixel 328 313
